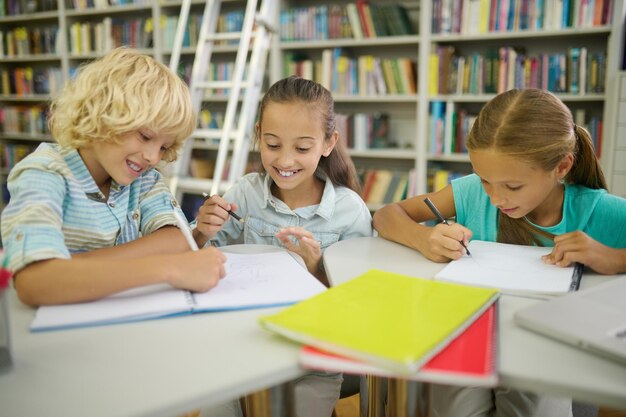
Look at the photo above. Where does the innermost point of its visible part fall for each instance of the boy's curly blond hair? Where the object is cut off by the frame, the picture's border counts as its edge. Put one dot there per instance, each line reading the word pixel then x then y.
pixel 118 94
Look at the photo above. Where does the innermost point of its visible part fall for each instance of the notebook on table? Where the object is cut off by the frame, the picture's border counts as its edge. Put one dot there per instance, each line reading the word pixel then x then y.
pixel 593 319
pixel 252 280
pixel 389 320
pixel 469 360
pixel 513 269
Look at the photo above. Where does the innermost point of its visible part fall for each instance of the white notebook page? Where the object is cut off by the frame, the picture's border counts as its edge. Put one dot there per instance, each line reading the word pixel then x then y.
pixel 511 268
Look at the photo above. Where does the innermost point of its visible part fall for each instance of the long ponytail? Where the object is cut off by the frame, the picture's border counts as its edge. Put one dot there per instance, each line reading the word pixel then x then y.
pixel 535 126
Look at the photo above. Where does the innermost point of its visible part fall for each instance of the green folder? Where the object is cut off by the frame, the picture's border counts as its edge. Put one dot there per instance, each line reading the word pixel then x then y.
pixel 387 319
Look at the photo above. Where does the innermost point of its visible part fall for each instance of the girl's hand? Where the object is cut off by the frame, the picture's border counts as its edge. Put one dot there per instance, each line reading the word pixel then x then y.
pixel 444 242
pixel 307 247
pixel 579 247
pixel 197 271
pixel 213 214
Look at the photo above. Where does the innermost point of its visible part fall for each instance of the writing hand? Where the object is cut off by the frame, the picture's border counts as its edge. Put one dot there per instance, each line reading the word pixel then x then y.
pixel 213 214
pixel 197 271
pixel 444 242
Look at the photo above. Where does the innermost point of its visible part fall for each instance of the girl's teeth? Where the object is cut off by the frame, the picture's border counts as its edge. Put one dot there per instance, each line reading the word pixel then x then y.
pixel 286 173
pixel 134 167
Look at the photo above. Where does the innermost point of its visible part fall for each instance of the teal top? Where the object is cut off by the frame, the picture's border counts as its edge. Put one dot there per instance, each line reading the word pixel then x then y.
pixel 599 214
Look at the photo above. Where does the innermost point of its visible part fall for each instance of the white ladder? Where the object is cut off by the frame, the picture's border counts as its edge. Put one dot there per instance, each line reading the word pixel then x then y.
pixel 238 122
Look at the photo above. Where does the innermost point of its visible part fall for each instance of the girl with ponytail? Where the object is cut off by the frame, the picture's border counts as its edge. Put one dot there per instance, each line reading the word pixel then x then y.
pixel 536 181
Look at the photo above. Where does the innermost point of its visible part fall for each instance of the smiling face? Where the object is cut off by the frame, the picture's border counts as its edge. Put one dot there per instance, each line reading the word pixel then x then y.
pixel 125 159
pixel 519 188
pixel 291 141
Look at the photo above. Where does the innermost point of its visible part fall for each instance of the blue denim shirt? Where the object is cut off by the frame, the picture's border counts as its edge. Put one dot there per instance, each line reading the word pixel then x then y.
pixel 341 214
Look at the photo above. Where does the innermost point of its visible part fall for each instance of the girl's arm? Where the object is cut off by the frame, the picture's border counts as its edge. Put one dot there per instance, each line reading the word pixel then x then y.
pixel 580 247
pixel 60 281
pixel 401 222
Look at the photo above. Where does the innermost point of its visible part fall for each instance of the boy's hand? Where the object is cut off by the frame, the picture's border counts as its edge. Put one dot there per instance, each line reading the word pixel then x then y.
pixel 213 214
pixel 579 247
pixel 444 242
pixel 307 247
pixel 197 271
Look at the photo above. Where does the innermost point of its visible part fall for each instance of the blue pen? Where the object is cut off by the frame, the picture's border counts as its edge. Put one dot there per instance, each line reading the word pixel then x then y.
pixel 442 219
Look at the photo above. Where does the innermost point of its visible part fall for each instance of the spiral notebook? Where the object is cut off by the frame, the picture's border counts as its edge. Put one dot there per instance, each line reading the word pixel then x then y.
pixel 251 281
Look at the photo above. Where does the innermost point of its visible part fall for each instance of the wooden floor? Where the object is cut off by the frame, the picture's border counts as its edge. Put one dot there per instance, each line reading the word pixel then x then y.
pixel 349 407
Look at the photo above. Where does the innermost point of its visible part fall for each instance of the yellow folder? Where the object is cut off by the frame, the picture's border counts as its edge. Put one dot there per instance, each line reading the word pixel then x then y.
pixel 387 319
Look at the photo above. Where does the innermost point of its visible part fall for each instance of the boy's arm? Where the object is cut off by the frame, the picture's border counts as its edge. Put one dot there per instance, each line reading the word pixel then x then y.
pixel 60 281
pixel 166 240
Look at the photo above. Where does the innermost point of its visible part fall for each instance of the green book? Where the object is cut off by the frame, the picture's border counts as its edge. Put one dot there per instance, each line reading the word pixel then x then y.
pixel 390 320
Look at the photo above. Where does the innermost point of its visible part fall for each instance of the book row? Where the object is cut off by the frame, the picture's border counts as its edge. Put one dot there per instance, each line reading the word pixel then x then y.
pixel 28 80
pixel 17 7
pixel 482 16
pixel 361 131
pixel 11 154
pixel 103 4
pixel 577 71
pixel 353 20
pixel 23 41
pixel 450 125
pixel 364 75
pixel 227 22
pixel 89 37
pixel 24 119
pixel 383 186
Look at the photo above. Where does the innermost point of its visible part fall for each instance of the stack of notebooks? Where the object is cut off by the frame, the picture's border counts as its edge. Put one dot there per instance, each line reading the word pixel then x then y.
pixel 388 324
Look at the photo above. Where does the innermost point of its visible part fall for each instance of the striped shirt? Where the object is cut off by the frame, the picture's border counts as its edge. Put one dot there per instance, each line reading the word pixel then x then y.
pixel 56 209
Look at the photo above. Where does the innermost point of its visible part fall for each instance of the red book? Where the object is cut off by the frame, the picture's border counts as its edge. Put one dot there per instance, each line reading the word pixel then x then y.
pixel 470 359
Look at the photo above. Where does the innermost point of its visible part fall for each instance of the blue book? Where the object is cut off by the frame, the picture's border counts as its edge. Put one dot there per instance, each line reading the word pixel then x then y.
pixel 251 281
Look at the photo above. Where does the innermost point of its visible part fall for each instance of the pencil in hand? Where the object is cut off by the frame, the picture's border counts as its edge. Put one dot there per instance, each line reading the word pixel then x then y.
pixel 230 212
pixel 442 219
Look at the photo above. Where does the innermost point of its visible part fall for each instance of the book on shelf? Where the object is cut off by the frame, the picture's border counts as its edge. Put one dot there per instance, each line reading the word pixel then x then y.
pixel 471 359
pixel 389 320
pixel 251 281
pixel 573 71
pixel 513 269
pixel 481 16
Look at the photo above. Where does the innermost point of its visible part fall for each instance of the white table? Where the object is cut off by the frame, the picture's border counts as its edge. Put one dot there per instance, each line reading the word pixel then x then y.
pixel 528 361
pixel 152 368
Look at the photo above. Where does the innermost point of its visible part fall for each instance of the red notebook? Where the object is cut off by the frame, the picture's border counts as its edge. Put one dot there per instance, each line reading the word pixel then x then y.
pixel 470 359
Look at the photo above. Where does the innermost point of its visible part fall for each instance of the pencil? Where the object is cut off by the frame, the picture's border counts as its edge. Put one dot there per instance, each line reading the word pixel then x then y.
pixel 184 228
pixel 576 276
pixel 232 213
pixel 442 219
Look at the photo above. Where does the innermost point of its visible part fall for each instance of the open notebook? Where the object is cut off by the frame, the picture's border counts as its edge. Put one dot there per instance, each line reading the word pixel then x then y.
pixel 252 281
pixel 389 320
pixel 513 269
pixel 469 360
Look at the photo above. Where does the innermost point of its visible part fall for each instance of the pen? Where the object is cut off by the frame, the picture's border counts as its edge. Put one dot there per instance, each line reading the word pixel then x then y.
pixel 232 213
pixel 442 219
pixel 576 276
pixel 184 227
